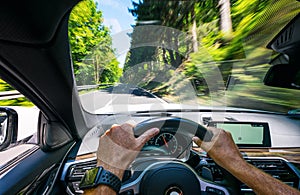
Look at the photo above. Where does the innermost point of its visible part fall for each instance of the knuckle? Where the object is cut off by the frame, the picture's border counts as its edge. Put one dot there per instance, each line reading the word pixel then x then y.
pixel 115 126
pixel 126 126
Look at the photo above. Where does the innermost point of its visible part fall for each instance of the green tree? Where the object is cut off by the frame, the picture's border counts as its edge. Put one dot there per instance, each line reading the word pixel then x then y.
pixel 111 73
pixel 91 44
pixel 217 30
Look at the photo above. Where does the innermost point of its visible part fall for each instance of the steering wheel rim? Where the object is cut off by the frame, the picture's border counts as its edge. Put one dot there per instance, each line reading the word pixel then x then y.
pixel 190 127
pixel 165 181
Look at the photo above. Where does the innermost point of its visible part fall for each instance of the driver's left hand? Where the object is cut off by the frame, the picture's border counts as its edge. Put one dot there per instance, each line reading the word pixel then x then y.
pixel 118 147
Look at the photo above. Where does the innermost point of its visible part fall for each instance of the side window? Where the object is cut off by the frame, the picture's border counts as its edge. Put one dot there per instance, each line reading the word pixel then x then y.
pixel 19 119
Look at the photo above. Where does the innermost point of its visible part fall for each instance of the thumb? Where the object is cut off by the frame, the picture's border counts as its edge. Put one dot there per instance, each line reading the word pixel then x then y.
pixel 146 136
pixel 197 141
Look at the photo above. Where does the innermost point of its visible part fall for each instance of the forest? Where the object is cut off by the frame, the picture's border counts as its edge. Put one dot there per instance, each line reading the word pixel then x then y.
pixel 205 40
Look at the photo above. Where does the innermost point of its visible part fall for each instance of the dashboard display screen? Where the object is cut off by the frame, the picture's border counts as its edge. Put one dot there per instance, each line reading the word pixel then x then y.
pixel 245 133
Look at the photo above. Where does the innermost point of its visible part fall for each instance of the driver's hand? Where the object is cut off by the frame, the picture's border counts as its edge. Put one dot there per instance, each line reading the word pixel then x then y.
pixel 118 147
pixel 221 148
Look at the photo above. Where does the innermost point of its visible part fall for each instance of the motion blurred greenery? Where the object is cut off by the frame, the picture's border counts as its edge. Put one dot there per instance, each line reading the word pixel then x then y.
pixel 22 101
pixel 227 67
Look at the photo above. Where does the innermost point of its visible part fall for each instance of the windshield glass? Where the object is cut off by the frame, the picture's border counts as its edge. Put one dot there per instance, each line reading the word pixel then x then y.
pixel 158 55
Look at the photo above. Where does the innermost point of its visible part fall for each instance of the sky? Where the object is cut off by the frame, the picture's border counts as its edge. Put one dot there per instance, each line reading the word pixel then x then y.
pixel 116 15
pixel 119 20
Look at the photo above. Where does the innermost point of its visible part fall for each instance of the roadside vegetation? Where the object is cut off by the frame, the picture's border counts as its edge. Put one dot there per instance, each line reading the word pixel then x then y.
pixel 4 101
pixel 226 36
pixel 94 61
pixel 91 46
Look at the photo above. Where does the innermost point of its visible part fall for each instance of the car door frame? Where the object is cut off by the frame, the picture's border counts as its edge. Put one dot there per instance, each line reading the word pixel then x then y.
pixel 52 88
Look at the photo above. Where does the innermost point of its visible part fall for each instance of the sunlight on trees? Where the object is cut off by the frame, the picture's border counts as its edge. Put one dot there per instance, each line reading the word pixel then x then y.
pixel 230 34
pixel 91 45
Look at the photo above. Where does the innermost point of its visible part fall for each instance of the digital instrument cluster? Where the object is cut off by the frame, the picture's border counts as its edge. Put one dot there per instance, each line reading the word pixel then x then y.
pixel 166 143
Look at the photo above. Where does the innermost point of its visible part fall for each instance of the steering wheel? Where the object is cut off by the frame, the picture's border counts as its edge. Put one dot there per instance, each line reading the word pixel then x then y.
pixel 167 176
pixel 190 128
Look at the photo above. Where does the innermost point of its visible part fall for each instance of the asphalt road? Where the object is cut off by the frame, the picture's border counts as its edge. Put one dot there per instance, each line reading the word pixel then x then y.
pixel 99 99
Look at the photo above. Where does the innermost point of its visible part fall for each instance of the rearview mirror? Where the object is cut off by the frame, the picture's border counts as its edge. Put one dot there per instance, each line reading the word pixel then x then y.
pixel 284 76
pixel 8 127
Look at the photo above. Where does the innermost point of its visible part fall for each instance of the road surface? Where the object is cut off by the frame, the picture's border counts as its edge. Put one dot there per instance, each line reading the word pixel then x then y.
pixel 96 100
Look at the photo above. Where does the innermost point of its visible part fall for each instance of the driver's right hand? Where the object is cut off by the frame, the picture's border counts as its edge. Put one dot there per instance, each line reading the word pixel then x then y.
pixel 221 148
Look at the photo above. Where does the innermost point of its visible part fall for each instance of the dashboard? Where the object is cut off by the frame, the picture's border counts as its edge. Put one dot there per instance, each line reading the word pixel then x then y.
pixel 277 157
pixel 166 143
pixel 204 166
pixel 278 167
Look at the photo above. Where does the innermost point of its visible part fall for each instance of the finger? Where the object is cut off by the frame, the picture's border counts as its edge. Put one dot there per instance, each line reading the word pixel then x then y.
pixel 146 136
pixel 197 141
pixel 228 134
pixel 131 122
pixel 108 131
pixel 112 129
pixel 115 125
pixel 127 127
pixel 214 130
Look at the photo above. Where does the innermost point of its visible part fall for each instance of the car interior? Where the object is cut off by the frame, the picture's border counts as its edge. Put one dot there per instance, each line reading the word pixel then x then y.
pixel 35 58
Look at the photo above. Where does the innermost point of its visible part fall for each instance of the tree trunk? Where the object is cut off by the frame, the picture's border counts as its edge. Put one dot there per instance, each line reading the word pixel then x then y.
pixel 225 18
pixel 194 36
pixel 194 29
pixel 96 65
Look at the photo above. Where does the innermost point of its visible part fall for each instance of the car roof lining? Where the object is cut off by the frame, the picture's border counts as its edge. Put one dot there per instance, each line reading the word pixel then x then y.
pixel 32 22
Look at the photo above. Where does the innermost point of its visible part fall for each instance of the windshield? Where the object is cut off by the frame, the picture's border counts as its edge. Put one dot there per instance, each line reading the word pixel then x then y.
pixel 158 55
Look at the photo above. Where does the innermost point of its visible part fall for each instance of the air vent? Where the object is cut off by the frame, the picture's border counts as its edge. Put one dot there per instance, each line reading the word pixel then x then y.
pixel 285 37
pixel 278 169
pixel 77 171
pixel 206 120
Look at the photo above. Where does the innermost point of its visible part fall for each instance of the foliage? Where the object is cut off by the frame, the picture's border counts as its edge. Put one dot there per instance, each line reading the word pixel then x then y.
pixel 111 73
pixel 22 101
pixel 93 57
pixel 5 86
pixel 165 47
pixel 242 55
pixel 85 29
pixel 16 102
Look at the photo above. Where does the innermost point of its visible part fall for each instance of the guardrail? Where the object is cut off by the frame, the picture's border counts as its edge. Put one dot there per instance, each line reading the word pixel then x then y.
pixel 7 95
pixel 85 87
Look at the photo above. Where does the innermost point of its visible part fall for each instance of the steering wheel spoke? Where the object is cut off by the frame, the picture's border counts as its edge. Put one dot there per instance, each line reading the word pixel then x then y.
pixel 170 177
